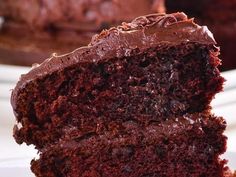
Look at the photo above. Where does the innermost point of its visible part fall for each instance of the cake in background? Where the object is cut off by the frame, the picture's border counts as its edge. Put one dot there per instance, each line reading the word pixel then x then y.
pixel 219 16
pixel 33 29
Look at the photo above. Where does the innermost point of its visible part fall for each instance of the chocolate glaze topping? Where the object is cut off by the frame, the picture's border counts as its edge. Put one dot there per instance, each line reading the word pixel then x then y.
pixel 142 33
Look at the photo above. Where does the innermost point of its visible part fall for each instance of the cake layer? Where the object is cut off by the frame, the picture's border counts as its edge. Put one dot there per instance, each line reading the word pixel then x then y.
pixel 182 146
pixel 119 77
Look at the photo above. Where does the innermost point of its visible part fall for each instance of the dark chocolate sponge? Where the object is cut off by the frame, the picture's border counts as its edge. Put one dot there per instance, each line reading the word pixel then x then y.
pixel 186 146
pixel 156 67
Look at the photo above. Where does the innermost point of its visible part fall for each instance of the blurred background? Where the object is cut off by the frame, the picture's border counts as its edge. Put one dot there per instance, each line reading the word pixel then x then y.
pixel 31 30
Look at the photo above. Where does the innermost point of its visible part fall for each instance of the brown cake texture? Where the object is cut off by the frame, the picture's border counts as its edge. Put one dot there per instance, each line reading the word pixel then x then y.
pixel 181 146
pixel 219 16
pixel 134 102
pixel 150 69
pixel 33 29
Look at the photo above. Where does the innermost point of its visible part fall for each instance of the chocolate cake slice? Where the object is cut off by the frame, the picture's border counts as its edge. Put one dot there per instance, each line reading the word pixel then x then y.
pixel 183 146
pixel 134 102
pixel 154 68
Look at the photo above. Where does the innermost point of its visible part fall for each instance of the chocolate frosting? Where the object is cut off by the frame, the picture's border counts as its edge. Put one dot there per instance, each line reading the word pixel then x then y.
pixel 142 33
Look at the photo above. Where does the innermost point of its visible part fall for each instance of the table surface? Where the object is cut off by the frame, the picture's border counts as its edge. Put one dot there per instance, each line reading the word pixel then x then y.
pixel 224 105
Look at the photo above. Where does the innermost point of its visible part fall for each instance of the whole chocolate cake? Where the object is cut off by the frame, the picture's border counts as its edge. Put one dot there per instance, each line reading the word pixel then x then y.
pixel 134 102
pixel 219 16
pixel 33 29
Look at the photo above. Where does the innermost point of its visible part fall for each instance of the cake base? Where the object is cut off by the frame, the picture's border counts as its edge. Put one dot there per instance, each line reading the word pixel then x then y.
pixel 186 146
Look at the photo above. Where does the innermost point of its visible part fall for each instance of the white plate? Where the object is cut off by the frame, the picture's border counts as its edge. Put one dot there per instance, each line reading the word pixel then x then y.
pixel 15 159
